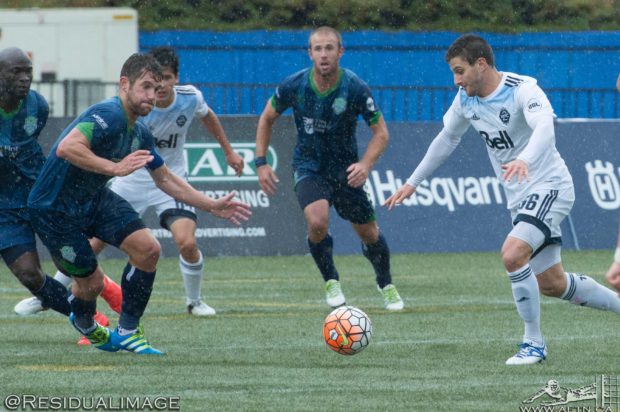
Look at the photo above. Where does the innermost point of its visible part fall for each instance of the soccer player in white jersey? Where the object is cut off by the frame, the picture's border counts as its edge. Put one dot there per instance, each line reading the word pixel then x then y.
pixel 169 122
pixel 515 120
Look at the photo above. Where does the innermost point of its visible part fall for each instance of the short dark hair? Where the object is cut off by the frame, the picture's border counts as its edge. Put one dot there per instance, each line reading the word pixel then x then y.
pixel 138 64
pixel 326 29
pixel 167 57
pixel 471 47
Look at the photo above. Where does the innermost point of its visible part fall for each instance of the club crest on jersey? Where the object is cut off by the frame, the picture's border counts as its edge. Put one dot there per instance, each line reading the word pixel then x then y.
pixel 339 105
pixel 135 143
pixel 504 116
pixel 181 120
pixel 30 125
pixel 308 125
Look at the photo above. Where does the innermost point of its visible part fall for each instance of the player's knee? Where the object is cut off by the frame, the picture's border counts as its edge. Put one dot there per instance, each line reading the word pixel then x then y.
pixel 89 286
pixel 513 258
pixel 30 276
pixel 317 228
pixel 549 289
pixel 147 254
pixel 187 247
pixel 96 285
pixel 551 284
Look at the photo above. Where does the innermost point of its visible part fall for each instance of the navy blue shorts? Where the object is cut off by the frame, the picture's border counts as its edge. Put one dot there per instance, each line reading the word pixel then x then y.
pixel 16 234
pixel 351 203
pixel 15 228
pixel 110 218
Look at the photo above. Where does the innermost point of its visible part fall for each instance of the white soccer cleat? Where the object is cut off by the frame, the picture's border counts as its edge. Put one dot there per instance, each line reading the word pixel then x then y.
pixel 200 309
pixel 391 298
pixel 29 306
pixel 333 293
pixel 528 355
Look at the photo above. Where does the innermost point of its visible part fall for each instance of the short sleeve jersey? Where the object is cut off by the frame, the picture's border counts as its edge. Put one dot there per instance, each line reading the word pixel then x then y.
pixel 169 126
pixel 67 188
pixel 326 122
pixel 501 121
pixel 21 157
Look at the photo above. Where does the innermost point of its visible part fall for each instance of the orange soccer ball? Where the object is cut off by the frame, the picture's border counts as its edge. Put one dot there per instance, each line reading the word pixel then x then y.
pixel 347 330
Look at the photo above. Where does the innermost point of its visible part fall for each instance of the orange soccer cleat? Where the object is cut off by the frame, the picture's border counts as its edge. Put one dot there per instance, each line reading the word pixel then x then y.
pixel 112 294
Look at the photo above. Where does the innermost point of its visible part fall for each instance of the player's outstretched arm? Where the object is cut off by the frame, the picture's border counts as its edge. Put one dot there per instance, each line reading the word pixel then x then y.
pixel 212 123
pixel 404 192
pixel 225 208
pixel 267 178
pixel 75 148
pixel 357 173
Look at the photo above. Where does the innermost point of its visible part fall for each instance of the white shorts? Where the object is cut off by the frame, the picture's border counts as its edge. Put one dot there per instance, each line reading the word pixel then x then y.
pixel 146 195
pixel 542 209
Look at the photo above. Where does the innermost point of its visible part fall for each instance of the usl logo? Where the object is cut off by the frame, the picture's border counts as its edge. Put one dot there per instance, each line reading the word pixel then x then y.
pixel 604 185
pixel 206 162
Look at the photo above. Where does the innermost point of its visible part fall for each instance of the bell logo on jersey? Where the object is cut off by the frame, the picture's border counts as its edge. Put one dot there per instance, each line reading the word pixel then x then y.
pixel 169 143
pixel 504 116
pixel 604 185
pixel 502 142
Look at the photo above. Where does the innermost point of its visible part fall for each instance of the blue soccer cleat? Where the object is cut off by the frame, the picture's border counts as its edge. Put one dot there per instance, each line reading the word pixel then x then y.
pixel 135 342
pixel 528 355
pixel 99 338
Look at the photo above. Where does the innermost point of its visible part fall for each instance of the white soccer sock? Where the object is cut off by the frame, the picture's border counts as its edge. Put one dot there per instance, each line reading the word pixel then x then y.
pixel 192 277
pixel 62 278
pixel 527 298
pixel 582 290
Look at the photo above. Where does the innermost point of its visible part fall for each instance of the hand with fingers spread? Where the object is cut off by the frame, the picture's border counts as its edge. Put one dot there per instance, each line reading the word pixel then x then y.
pixel 132 162
pixel 357 174
pixel 516 168
pixel 231 210
pixel 404 192
pixel 267 179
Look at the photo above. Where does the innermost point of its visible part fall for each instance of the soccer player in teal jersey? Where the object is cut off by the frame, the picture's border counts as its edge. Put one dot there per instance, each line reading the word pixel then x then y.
pixel 327 102
pixel 169 122
pixel 70 202
pixel 23 114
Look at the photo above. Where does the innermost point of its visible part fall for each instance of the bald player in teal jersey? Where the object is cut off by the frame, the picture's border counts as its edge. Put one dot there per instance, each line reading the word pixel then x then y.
pixel 23 115
pixel 326 102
